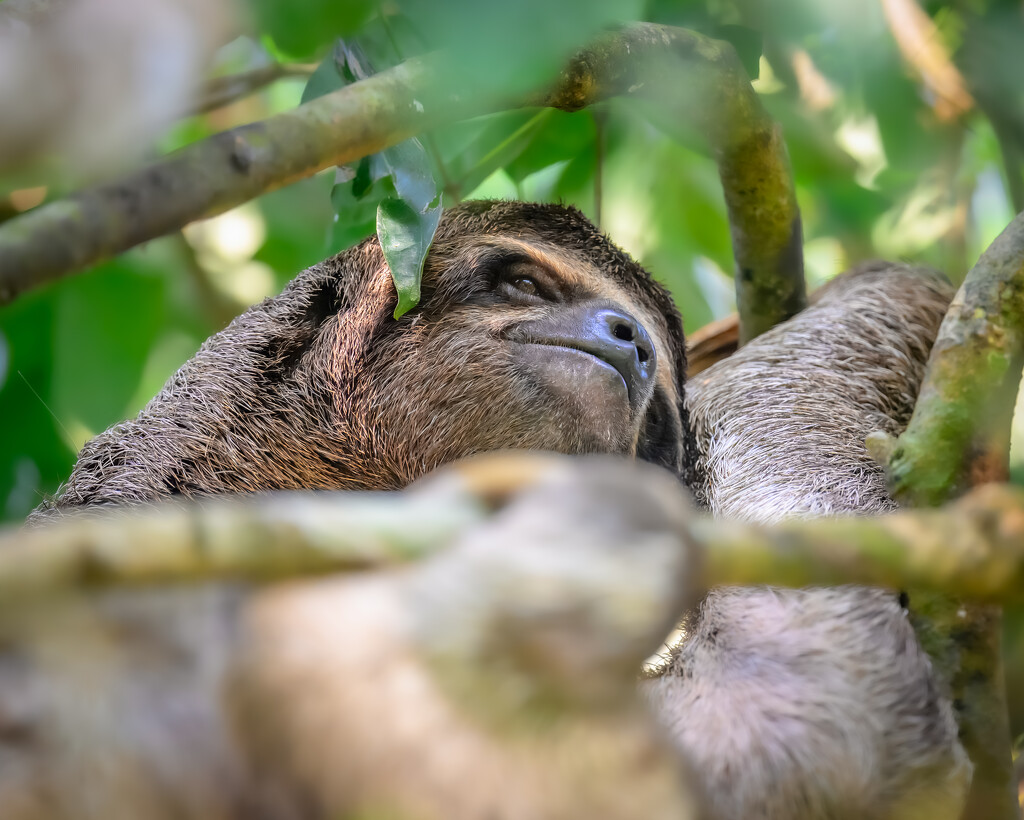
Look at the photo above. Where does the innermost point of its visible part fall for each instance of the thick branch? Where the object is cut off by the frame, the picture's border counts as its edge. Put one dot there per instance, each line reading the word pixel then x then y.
pixel 214 175
pixel 959 437
pixel 752 160
pixel 959 434
pixel 279 537
pixel 211 176
pixel 974 548
pixel 30 12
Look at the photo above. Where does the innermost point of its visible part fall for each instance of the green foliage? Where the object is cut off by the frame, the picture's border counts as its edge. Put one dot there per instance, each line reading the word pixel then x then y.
pixel 878 173
pixel 512 47
pixel 301 28
pixel 405 235
pixel 408 201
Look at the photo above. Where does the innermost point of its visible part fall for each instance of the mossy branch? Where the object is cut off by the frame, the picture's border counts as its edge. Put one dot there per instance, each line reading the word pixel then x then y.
pixel 277 537
pixel 959 434
pixel 753 164
pixel 216 174
pixel 974 548
pixel 959 437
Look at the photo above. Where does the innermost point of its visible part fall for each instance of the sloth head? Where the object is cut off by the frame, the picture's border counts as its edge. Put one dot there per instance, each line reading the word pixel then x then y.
pixel 533 332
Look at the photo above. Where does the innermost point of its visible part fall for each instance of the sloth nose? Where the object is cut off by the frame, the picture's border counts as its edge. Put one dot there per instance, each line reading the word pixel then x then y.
pixel 607 332
pixel 616 337
pixel 622 338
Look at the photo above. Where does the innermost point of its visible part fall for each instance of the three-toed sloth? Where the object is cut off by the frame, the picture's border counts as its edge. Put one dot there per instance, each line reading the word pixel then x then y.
pixel 534 332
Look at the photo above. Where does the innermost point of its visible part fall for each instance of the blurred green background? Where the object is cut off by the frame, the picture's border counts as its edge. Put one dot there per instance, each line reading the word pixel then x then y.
pixel 903 123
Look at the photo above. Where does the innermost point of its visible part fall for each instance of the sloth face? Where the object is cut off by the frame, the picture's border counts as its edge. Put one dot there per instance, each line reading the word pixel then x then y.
pixel 529 344
pixel 533 332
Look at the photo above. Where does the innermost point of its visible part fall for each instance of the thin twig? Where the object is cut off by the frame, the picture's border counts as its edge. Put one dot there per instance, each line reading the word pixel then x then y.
pixel 222 91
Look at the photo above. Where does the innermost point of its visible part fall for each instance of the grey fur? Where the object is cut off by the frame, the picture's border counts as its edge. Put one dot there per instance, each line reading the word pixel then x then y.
pixel 814 703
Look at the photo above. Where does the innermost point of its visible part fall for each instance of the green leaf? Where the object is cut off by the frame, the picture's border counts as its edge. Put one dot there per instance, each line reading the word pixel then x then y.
pixel 559 137
pixel 405 170
pixel 355 216
pixel 108 320
pixel 362 182
pixel 505 152
pixel 324 80
pixel 409 169
pixel 509 48
pixel 407 217
pixel 405 236
pixel 4 359
pixel 302 28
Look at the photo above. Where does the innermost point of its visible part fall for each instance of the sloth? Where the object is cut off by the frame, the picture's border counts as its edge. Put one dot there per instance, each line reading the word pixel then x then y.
pixel 535 332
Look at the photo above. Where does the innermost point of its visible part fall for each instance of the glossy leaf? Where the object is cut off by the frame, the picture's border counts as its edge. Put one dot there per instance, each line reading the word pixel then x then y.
pixel 301 28
pixel 326 78
pixel 409 168
pixel 405 236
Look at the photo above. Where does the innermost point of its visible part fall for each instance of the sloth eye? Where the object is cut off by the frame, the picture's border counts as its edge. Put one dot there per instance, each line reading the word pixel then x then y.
pixel 524 284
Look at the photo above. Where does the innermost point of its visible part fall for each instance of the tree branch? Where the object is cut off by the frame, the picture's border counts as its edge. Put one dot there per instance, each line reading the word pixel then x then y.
pixel 30 12
pixel 281 536
pixel 959 434
pixel 222 91
pixel 753 163
pixel 959 437
pixel 214 175
pixel 974 548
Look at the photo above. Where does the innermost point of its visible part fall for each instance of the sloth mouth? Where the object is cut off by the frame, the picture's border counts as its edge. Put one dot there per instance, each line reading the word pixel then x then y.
pixel 582 357
pixel 595 357
pixel 595 390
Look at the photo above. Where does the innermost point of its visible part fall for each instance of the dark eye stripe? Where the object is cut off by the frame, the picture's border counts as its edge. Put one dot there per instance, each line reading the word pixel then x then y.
pixel 508 273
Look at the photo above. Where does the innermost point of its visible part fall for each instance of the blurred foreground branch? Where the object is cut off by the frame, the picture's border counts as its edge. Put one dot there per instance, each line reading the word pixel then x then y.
pixel 216 174
pixel 87 85
pixel 974 548
pixel 921 45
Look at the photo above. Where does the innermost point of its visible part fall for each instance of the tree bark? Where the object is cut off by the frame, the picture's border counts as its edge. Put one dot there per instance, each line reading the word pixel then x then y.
pixel 959 437
pixel 973 549
pixel 219 173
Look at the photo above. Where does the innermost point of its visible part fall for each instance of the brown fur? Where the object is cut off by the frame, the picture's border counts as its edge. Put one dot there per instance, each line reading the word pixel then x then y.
pixel 806 704
pixel 319 388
